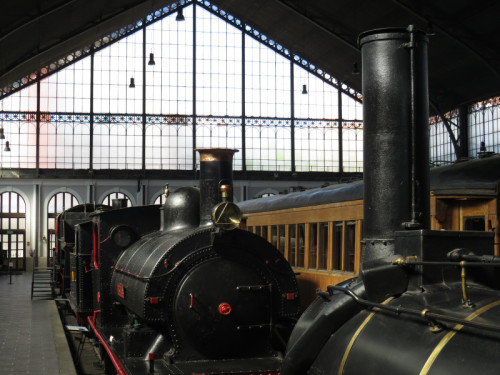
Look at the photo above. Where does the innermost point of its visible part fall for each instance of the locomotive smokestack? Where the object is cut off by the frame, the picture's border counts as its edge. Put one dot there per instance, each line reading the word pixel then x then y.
pixel 396 136
pixel 215 172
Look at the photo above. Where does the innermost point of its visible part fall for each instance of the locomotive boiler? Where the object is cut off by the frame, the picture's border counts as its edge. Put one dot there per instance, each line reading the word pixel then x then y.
pixel 179 289
pixel 426 302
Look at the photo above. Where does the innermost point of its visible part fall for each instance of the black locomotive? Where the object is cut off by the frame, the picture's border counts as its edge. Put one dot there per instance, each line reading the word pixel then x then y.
pixel 178 289
pixel 426 302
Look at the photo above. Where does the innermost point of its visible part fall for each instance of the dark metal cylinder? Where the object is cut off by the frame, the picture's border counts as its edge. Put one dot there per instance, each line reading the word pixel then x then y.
pixel 396 136
pixel 216 169
pixel 118 203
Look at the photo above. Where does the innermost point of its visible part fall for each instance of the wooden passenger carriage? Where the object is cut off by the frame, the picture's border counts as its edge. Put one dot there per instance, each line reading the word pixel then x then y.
pixel 319 231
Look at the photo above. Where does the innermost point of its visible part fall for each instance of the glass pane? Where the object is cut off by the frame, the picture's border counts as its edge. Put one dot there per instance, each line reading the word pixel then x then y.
pixel 13 202
pixel 274 235
pixel 51 223
pixel 22 223
pixel 350 245
pixel 322 246
pixel 313 245
pixel 264 232
pixel 337 245
pixel 291 244
pixel 477 223
pixel 301 240
pixel 281 235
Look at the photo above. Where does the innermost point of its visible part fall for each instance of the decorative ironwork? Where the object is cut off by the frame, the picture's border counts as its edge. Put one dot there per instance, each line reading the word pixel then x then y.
pixel 268 122
pixel 86 50
pixel 258 132
pixel 116 119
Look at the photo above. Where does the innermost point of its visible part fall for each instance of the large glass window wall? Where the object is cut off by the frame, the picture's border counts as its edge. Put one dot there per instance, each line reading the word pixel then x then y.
pixel 148 99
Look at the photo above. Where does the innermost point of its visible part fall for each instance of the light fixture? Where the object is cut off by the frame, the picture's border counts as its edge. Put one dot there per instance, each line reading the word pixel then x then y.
pixel 132 83
pixel 7 146
pixel 429 29
pixel 482 148
pixel 304 89
pixel 355 68
pixel 151 59
pixel 180 16
pixel 2 136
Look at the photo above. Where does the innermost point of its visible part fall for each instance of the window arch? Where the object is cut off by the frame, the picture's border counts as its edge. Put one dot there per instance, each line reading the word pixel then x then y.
pixel 57 204
pixel 12 231
pixel 160 199
pixel 108 199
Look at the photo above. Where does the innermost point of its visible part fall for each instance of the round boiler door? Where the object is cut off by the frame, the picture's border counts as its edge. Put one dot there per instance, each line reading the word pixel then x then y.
pixel 222 309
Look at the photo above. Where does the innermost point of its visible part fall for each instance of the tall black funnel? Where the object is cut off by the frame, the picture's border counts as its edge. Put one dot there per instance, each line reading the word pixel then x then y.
pixel 396 136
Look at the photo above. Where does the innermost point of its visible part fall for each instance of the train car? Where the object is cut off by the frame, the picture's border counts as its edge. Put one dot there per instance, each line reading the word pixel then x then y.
pixel 179 289
pixel 319 231
pixel 425 301
pixel 66 261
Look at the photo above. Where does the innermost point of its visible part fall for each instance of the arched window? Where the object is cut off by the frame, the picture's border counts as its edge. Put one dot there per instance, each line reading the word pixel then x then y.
pixel 160 199
pixel 57 204
pixel 12 231
pixel 108 199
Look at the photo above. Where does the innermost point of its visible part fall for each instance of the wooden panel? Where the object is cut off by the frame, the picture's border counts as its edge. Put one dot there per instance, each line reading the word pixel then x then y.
pixel 331 212
pixel 310 281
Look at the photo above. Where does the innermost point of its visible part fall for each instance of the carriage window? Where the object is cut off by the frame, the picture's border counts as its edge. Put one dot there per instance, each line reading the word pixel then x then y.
pixel 313 245
pixel 291 244
pixel 274 235
pixel 250 229
pixel 322 245
pixel 281 236
pixel 258 230
pixel 264 232
pixel 475 223
pixel 301 239
pixel 349 246
pixel 337 245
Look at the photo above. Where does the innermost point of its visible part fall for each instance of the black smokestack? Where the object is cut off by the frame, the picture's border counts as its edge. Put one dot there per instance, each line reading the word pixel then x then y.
pixel 216 173
pixel 396 136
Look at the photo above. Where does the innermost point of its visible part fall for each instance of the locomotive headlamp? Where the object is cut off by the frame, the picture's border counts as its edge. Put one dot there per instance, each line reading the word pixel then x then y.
pixel 226 216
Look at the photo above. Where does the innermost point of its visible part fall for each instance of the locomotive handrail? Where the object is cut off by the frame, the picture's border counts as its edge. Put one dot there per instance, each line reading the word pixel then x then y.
pixel 114 359
pixel 425 313
pixel 463 263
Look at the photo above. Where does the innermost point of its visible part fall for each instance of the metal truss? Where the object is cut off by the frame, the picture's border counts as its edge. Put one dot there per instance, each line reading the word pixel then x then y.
pixel 129 29
pixel 90 48
pixel 280 49
pixel 119 118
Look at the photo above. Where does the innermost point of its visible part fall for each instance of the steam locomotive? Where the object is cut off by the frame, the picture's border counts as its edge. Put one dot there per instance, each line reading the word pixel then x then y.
pixel 426 302
pixel 179 289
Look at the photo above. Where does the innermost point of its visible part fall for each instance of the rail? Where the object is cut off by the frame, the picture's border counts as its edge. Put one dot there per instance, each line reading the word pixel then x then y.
pixel 114 359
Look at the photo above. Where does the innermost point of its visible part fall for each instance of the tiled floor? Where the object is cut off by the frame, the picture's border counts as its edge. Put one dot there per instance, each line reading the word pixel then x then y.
pixel 27 344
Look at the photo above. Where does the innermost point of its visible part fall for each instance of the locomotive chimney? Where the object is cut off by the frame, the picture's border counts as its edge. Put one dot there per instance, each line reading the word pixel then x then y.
pixel 396 139
pixel 216 180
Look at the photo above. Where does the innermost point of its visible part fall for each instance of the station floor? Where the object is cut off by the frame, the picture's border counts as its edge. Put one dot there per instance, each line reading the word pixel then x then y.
pixel 32 339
